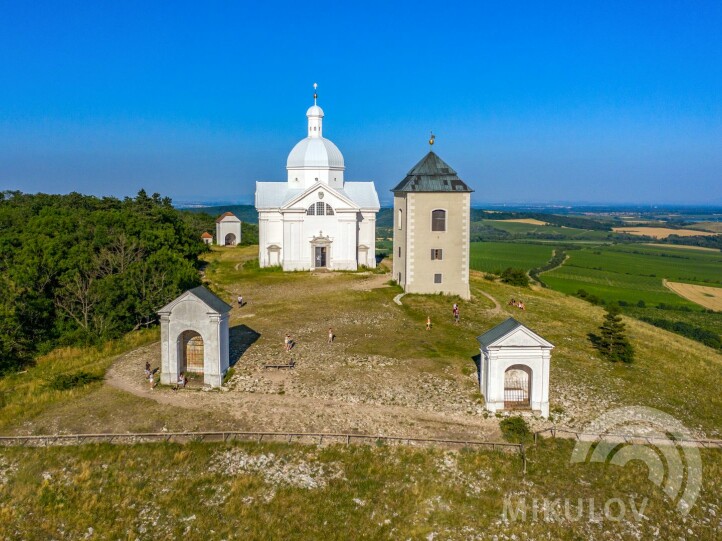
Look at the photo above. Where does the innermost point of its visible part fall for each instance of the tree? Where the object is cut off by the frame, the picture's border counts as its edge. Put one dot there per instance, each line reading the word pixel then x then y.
pixel 515 277
pixel 613 343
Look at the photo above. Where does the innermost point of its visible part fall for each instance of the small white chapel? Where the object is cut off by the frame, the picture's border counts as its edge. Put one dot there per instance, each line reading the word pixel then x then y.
pixel 316 219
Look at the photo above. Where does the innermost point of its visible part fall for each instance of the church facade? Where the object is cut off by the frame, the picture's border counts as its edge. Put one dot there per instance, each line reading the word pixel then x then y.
pixel 316 219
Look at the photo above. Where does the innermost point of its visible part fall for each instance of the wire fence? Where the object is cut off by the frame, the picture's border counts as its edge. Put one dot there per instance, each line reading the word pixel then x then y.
pixel 567 433
pixel 301 437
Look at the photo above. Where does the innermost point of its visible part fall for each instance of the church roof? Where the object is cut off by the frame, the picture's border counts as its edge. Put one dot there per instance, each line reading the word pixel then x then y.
pixel 495 335
pixel 274 195
pixel 202 294
pixel 432 174
pixel 226 215
pixel 315 152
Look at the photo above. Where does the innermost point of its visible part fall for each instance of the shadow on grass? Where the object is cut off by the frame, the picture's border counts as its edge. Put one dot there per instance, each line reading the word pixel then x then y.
pixel 241 337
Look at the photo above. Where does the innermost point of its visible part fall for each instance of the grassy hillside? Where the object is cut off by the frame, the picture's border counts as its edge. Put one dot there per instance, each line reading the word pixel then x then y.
pixel 384 374
pixel 267 491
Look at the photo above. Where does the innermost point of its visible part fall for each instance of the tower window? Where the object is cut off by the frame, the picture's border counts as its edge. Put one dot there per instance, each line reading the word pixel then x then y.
pixel 400 221
pixel 438 220
pixel 436 253
pixel 399 251
pixel 437 278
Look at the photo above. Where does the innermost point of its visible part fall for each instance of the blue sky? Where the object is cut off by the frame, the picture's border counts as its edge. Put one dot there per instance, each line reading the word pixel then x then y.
pixel 530 101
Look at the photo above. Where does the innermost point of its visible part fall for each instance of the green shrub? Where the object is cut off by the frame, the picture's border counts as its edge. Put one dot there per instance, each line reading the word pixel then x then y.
pixel 515 429
pixel 65 382
pixel 515 277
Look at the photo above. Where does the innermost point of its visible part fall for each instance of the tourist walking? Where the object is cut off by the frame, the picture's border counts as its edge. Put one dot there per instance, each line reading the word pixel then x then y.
pixel 151 380
pixel 147 369
pixel 240 300
pixel 428 323
pixel 287 342
pixel 330 335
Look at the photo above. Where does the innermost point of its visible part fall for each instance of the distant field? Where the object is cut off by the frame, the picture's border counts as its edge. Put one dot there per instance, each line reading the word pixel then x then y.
pixel 496 256
pixel 661 232
pixel 531 221
pixel 632 273
pixel 683 247
pixel 715 227
pixel 525 227
pixel 709 297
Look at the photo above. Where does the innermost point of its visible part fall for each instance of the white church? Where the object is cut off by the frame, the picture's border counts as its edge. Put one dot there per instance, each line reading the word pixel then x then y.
pixel 316 220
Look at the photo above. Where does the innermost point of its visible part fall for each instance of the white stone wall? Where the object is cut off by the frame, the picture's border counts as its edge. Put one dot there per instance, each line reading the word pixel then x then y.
pixel 294 232
pixel 495 362
pixel 192 314
pixel 226 226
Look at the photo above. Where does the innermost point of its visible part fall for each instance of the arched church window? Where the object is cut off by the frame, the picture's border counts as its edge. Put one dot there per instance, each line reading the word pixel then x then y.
pixel 320 208
pixel 438 220
pixel 311 211
pixel 329 210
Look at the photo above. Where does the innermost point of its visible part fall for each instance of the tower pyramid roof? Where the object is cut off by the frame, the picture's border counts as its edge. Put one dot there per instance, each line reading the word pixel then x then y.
pixel 432 174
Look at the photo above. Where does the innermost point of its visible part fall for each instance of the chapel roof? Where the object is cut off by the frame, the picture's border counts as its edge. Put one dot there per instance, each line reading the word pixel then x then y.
pixel 505 328
pixel 432 174
pixel 206 235
pixel 204 295
pixel 226 215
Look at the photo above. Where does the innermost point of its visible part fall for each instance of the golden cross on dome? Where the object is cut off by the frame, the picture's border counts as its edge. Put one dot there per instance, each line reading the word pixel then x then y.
pixel 431 139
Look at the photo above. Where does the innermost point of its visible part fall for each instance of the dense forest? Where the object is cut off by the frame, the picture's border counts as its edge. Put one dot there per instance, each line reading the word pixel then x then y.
pixel 81 269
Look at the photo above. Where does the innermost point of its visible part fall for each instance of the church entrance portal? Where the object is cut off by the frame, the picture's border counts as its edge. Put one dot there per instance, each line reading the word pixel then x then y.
pixel 192 355
pixel 517 387
pixel 320 257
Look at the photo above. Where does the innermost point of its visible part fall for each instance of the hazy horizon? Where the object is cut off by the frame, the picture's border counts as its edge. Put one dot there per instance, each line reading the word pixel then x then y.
pixel 612 104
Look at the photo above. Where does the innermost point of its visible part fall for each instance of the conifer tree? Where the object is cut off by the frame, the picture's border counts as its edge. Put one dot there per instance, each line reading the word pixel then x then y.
pixel 613 342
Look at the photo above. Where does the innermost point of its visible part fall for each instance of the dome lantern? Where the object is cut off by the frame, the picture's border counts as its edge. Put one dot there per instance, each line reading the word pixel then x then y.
pixel 315 158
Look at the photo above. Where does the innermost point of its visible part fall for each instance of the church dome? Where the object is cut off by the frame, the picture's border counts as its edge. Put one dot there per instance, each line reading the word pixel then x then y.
pixel 315 153
pixel 314 110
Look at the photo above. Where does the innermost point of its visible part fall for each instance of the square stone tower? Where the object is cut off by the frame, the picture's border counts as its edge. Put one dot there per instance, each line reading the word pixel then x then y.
pixel 432 207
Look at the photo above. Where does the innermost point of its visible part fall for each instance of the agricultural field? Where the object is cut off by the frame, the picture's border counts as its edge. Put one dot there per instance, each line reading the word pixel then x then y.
pixel 494 257
pixel 634 272
pixel 662 232
pixel 524 227
pixel 708 297
pixel 714 227
pixel 634 276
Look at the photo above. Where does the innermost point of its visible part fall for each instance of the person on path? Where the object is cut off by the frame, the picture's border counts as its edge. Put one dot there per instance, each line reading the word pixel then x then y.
pixel 330 335
pixel 240 300
pixel 456 316
pixel 287 341
pixel 147 369
pixel 428 323
pixel 151 380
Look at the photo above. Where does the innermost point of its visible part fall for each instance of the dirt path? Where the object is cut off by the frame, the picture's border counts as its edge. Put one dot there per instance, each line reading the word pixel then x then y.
pixel 254 401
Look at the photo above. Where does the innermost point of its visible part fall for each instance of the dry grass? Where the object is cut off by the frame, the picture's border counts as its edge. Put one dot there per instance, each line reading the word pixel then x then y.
pixel 277 491
pixel 709 297
pixel 661 232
